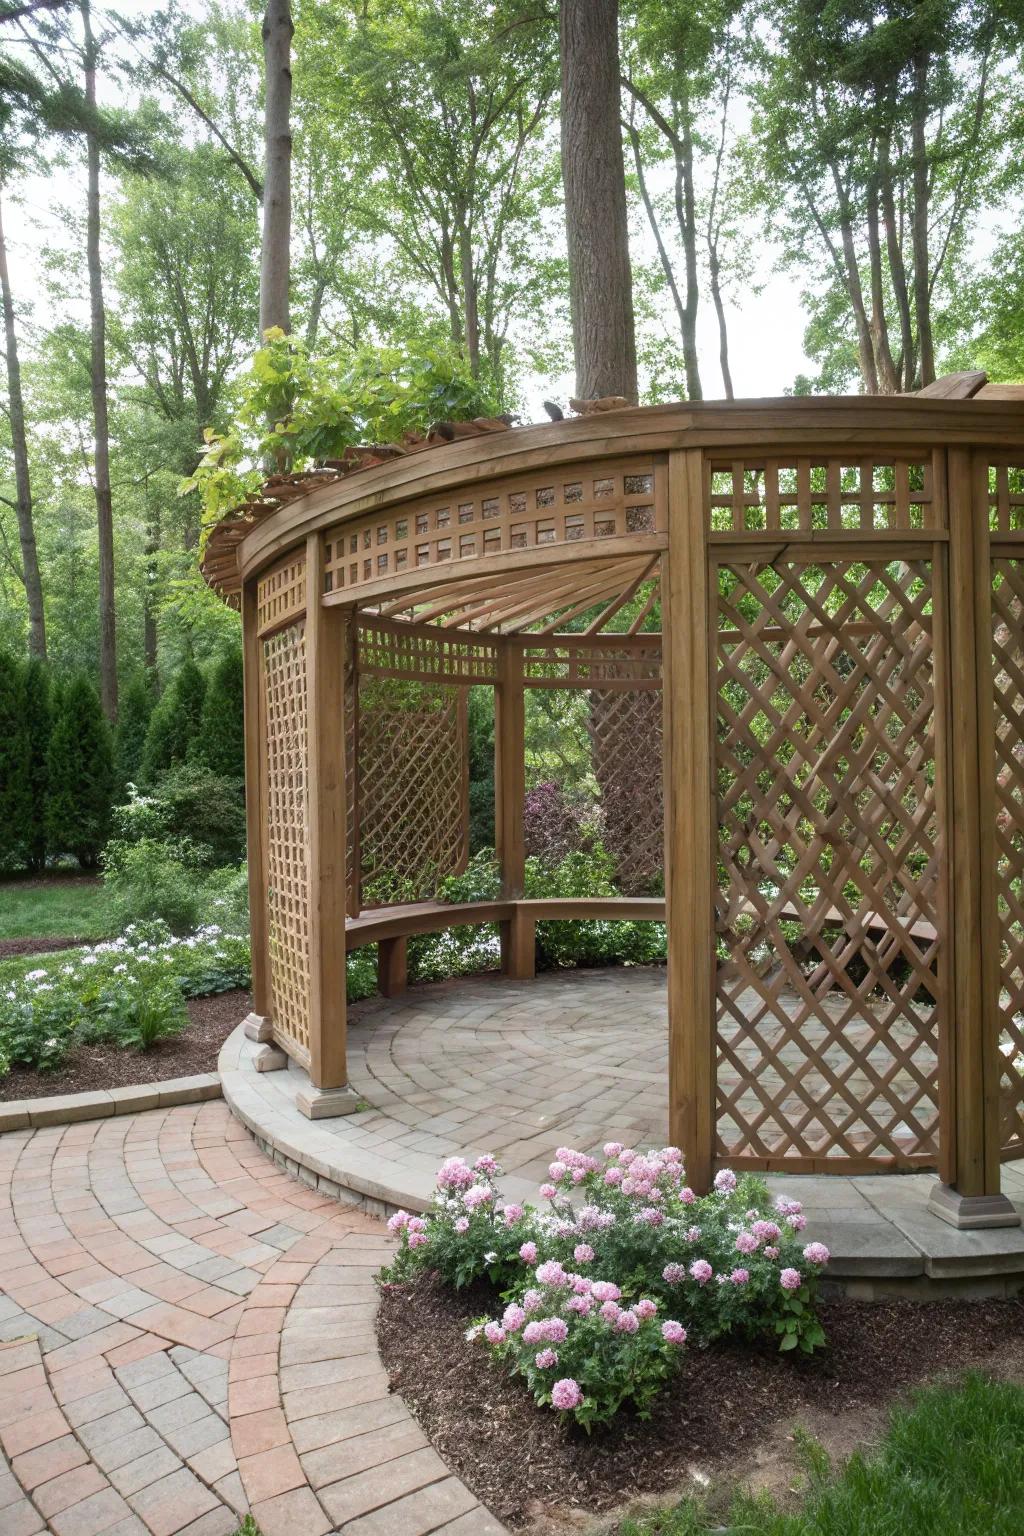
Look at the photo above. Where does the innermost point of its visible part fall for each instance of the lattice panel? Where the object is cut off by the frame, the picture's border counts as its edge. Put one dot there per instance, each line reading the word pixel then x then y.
pixel 607 500
pixel 828 989
pixel 830 492
pixel 413 787
pixel 1008 676
pixel 625 743
pixel 1006 497
pixel 281 593
pixel 287 851
pixel 398 650
pixel 606 664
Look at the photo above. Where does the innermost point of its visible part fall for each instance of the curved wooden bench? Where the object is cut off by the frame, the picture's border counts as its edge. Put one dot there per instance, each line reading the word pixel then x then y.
pixel 390 928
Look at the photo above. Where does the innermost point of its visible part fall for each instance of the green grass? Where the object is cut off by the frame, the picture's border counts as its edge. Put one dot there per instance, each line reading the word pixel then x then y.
pixel 60 908
pixel 951 1464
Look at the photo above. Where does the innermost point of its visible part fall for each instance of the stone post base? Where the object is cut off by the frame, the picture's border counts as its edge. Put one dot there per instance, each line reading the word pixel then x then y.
pixel 269 1058
pixel 258 1028
pixel 970 1212
pixel 326 1103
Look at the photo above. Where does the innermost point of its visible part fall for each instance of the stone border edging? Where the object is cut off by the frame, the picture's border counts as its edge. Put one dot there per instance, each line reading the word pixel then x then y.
pixel 102 1104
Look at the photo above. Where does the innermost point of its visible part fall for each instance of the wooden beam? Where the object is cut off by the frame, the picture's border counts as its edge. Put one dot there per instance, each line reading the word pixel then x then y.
pixel 255 801
pixel 689 820
pixel 509 796
pixel 326 641
pixel 954 386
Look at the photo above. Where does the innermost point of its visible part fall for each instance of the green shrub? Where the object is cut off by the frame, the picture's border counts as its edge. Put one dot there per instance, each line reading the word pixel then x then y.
pixel 206 808
pixel 15 806
pixel 38 725
pixel 175 722
pixel 152 879
pixel 134 714
pixel 226 896
pixel 220 743
pixel 80 773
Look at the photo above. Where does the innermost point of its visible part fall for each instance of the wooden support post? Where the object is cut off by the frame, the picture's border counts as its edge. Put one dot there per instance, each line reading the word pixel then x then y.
pixel 518 933
pixel 392 967
pixel 690 819
pixel 325 786
pixel 258 1025
pixel 974 1198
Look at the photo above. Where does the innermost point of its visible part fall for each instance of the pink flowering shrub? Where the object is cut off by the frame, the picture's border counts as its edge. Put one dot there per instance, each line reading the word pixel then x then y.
pixel 469 1232
pixel 581 1347
pixel 622 1259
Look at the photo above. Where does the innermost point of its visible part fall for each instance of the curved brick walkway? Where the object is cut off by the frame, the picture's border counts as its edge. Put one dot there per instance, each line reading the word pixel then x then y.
pixel 189 1336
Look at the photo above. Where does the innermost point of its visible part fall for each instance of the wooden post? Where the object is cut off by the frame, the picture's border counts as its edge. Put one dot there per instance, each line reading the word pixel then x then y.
pixel 325 782
pixel 974 1198
pixel 517 935
pixel 258 1025
pixel 392 966
pixel 690 819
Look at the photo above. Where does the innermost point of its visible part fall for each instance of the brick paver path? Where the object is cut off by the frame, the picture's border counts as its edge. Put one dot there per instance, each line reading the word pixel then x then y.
pixel 189 1336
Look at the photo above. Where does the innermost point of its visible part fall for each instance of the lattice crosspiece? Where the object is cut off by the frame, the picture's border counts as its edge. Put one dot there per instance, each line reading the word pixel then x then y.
pixel 1008 678
pixel 281 593
pixel 287 820
pixel 830 974
pixel 625 743
pixel 412 787
pixel 826 492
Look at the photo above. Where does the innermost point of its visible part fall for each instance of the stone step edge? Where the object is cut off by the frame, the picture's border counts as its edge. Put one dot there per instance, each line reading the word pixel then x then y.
pixel 104 1103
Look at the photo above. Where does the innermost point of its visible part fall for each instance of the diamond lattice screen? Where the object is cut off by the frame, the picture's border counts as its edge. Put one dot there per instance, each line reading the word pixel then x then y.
pixel 625 744
pixel 1008 658
pixel 287 851
pixel 413 788
pixel 827 993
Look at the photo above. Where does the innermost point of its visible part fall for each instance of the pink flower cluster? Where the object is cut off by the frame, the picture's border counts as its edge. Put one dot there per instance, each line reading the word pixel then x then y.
pixel 566 1394
pixel 414 1227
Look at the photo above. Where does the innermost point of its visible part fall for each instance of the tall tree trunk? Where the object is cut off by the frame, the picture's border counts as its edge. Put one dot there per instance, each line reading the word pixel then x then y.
pixel 715 266
pixel 686 214
pixel 22 483
pixel 919 226
pixel 897 268
pixel 149 647
pixel 275 260
pixel 470 305
pixel 98 385
pixel 597 230
pixel 888 381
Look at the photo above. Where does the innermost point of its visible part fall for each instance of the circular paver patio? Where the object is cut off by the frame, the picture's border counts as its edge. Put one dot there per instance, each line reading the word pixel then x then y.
pixel 189 1336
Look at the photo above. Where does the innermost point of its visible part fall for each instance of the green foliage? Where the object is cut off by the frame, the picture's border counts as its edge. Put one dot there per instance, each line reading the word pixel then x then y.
pixel 950 1464
pixel 135 710
pixel 481 768
pixel 37 725
pixel 205 807
pixel 152 879
pixel 121 991
pixel 80 772
pixel 220 743
pixel 318 406
pixel 175 722
pixel 15 803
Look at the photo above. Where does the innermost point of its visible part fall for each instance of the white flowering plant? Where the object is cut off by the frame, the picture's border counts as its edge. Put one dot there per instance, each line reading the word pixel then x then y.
pixel 128 991
pixel 622 1261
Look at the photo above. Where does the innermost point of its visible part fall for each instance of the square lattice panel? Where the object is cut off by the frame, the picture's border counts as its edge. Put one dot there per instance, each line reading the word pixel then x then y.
pixel 1008 678
pixel 829 979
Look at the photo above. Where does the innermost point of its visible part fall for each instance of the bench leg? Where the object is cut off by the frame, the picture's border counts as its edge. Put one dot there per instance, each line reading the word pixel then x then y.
pixel 518 941
pixel 392 970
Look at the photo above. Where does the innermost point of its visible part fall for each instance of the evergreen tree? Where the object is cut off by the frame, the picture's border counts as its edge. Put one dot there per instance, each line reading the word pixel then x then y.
pixel 38 724
pixel 135 713
pixel 80 766
pixel 220 745
pixel 14 786
pixel 175 722
pixel 481 769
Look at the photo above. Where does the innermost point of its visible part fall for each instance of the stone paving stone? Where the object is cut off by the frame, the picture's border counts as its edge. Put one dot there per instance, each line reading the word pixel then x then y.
pixel 417 1513
pixel 345 1458
pixel 290 1513
pixel 143 1470
pixel 173 1502
pixel 67 1489
pixel 93 1515
pixel 366 1491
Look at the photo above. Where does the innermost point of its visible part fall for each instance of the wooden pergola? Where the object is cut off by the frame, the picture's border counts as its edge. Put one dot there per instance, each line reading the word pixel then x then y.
pixel 827 595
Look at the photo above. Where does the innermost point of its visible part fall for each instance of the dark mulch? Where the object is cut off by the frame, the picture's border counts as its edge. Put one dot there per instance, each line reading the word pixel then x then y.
pixel 104 1066
pixel 9 947
pixel 521 1461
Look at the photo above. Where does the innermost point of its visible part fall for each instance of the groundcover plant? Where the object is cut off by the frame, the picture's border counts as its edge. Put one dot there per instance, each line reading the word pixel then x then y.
pixel 604 1283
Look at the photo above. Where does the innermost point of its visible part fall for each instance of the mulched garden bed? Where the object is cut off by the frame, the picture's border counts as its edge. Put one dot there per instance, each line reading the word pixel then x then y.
pixel 11 947
pixel 523 1462
pixel 104 1066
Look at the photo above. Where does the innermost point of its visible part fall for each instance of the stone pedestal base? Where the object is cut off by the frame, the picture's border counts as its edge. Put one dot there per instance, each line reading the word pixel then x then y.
pixel 326 1103
pixel 257 1028
pixel 269 1058
pixel 970 1212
